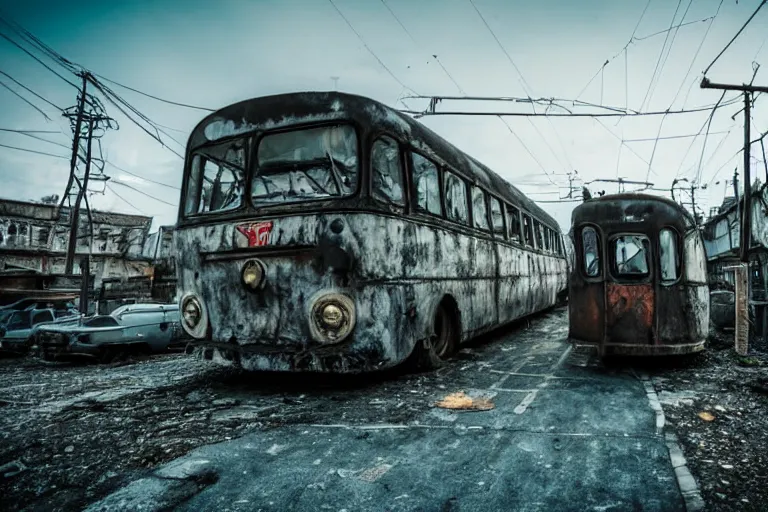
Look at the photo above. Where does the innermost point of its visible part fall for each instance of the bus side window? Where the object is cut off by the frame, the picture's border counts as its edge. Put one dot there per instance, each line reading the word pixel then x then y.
pixel 527 230
pixel 513 214
pixel 425 181
pixel 669 255
pixel 591 251
pixel 497 218
pixel 387 171
pixel 547 239
pixel 479 209
pixel 217 178
pixel 539 235
pixel 456 204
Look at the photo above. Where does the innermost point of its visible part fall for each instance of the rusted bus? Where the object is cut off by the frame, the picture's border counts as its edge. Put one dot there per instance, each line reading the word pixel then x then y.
pixel 639 281
pixel 353 238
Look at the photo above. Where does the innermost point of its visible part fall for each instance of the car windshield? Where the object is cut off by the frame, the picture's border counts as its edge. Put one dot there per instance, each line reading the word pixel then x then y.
pixel 306 164
pixel 19 320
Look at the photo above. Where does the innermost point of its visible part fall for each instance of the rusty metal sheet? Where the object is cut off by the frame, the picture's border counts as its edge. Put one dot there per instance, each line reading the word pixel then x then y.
pixel 629 313
pixel 585 310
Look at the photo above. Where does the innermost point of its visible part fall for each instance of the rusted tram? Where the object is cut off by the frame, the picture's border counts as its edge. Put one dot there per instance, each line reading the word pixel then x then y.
pixel 328 232
pixel 639 282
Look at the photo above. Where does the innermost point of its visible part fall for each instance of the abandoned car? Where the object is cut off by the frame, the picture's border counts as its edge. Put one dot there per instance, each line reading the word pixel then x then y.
pixel 19 326
pixel 327 232
pixel 639 282
pixel 130 329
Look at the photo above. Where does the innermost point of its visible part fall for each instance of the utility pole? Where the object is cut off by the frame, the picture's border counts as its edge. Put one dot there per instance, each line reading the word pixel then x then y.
pixel 746 207
pixel 75 142
pixel 75 216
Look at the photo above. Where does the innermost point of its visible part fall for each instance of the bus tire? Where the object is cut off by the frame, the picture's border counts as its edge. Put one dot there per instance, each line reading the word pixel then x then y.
pixel 434 351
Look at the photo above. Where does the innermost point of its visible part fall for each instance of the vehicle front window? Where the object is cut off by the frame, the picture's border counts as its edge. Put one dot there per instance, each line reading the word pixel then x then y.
pixel 427 187
pixel 216 179
pixel 630 253
pixel 456 198
pixel 307 164
pixel 387 170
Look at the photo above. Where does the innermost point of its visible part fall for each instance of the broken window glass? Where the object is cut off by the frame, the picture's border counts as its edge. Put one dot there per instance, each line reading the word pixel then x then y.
pixel 306 164
pixel 479 210
pixel 456 198
pixel 591 249
pixel 387 171
pixel 539 235
pixel 528 230
pixel 630 253
pixel 497 218
pixel 668 254
pixel 427 187
pixel 513 215
pixel 42 316
pixel 217 178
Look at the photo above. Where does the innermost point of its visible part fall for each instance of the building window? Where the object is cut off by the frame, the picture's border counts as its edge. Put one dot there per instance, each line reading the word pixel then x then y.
pixel 497 218
pixel 479 209
pixel 456 204
pixel 591 250
pixel 513 215
pixel 425 180
pixel 668 256
pixel 630 256
pixel 387 170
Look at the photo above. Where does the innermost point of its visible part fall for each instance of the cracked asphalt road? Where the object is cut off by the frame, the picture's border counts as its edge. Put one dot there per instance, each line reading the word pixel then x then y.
pixel 565 434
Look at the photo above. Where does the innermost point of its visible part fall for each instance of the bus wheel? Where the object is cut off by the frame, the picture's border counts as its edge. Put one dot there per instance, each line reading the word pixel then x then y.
pixel 433 353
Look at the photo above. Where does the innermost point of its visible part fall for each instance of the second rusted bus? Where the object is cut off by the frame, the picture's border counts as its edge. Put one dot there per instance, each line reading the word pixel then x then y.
pixel 639 282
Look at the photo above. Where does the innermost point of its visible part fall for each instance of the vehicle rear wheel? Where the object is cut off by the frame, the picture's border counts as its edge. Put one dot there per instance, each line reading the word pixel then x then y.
pixel 433 352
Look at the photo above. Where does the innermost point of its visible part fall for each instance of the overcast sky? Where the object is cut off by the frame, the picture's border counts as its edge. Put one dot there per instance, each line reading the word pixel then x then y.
pixel 213 53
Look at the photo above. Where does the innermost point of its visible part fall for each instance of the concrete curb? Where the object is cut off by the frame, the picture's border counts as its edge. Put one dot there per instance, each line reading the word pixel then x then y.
pixel 689 488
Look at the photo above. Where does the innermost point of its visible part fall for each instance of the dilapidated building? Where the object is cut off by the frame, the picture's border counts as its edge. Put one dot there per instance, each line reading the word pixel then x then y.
pixel 35 236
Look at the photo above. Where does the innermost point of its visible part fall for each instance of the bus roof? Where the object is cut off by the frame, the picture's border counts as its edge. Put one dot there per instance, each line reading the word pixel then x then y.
pixel 632 208
pixel 285 110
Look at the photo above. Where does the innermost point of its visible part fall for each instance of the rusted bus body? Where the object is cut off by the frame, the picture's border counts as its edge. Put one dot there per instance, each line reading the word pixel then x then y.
pixel 639 282
pixel 356 281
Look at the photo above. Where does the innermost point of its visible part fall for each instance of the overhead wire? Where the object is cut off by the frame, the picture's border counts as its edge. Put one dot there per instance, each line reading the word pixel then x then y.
pixel 144 193
pixel 680 25
pixel 658 60
pixel 14 130
pixel 124 199
pixel 38 60
pixel 30 90
pixel 33 151
pixel 528 150
pixel 706 136
pixel 695 56
pixel 666 57
pixel 142 177
pixel 381 63
pixel 736 36
pixel 33 136
pixel 25 100
pixel 206 109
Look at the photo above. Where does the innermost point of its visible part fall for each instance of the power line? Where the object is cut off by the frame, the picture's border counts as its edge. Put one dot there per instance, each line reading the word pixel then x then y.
pixel 666 57
pixel 706 136
pixel 124 200
pixel 398 21
pixel 37 59
pixel 25 100
pixel 33 151
pixel 501 46
pixel 32 135
pixel 449 75
pixel 144 193
pixel 142 177
pixel 672 28
pixel 695 56
pixel 670 137
pixel 13 130
pixel 394 77
pixel 153 96
pixel 30 90
pixel 658 61
pixel 622 142
pixel 527 150
pixel 734 37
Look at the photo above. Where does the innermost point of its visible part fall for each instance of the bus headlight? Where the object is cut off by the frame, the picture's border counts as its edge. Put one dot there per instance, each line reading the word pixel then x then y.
pixel 253 274
pixel 194 317
pixel 332 318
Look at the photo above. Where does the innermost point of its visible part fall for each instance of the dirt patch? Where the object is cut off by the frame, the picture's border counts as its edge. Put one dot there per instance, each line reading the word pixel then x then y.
pixel 717 403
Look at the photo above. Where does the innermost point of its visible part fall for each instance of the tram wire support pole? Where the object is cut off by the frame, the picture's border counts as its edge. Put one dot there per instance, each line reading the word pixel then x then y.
pixel 75 142
pixel 75 213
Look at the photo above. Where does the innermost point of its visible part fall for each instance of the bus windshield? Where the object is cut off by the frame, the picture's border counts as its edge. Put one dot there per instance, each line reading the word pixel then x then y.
pixel 306 164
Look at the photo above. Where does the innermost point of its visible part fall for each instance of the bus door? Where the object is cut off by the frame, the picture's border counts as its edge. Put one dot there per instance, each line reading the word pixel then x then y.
pixel 629 291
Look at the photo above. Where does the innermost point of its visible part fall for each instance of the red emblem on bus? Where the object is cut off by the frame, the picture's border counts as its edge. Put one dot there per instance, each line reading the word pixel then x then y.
pixel 257 233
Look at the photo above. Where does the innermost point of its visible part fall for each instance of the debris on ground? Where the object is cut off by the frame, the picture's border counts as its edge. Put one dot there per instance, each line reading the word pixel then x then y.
pixel 462 401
